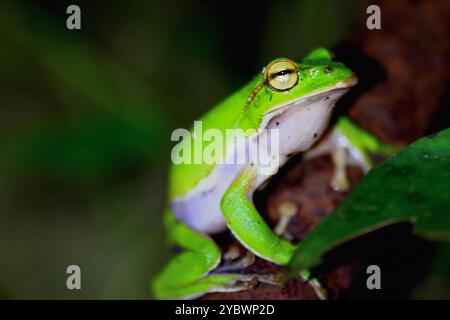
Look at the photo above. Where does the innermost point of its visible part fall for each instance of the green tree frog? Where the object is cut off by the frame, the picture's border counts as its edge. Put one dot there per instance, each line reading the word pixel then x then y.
pixel 297 98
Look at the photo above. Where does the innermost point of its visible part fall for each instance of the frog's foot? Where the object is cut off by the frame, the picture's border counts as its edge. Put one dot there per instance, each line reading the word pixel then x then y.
pixel 278 279
pixel 286 210
pixel 187 276
pixel 320 291
pixel 223 282
pixel 348 145
pixel 210 284
pixel 232 261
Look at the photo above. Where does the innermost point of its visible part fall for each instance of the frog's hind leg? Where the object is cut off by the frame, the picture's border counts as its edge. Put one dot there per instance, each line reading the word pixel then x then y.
pixel 187 275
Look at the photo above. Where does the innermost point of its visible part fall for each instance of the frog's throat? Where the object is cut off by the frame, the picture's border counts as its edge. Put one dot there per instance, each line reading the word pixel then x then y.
pixel 300 124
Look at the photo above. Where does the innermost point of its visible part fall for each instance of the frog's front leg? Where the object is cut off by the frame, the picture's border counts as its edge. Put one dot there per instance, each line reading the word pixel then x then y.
pixel 188 274
pixel 252 231
pixel 248 226
pixel 348 144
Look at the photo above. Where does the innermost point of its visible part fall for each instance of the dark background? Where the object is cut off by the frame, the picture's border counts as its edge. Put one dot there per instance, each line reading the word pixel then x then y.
pixel 86 117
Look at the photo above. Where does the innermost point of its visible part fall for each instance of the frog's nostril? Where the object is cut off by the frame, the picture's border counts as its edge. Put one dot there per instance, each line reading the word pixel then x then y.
pixel 328 69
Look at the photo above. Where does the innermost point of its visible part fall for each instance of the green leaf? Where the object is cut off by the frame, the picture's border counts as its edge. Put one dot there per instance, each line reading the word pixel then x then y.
pixel 412 185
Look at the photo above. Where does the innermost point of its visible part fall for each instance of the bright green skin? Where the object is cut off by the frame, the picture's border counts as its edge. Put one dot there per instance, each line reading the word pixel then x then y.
pixel 188 274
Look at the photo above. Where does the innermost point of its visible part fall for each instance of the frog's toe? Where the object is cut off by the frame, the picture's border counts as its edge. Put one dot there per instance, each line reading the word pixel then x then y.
pixel 320 291
pixel 287 210
pixel 340 181
pixel 209 284
pixel 234 263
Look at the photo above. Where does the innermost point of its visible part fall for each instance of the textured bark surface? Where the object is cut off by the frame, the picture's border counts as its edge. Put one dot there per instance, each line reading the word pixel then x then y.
pixel 403 71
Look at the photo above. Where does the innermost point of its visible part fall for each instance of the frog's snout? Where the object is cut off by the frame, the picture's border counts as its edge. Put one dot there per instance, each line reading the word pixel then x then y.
pixel 352 80
pixel 349 82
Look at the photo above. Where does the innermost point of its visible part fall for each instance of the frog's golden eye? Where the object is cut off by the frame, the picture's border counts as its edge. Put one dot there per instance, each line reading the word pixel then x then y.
pixel 281 75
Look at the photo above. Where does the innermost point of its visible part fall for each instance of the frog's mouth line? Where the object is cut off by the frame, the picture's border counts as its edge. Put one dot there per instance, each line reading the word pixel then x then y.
pixel 339 86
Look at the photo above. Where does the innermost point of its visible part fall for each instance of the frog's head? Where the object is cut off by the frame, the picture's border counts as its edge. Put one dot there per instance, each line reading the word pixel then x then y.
pixel 315 74
pixel 298 95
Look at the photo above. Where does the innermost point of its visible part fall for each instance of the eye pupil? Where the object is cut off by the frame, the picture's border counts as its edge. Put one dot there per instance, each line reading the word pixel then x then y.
pixel 283 72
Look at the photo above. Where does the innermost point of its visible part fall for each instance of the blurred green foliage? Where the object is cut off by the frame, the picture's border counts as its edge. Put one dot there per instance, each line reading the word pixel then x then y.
pixel 86 116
